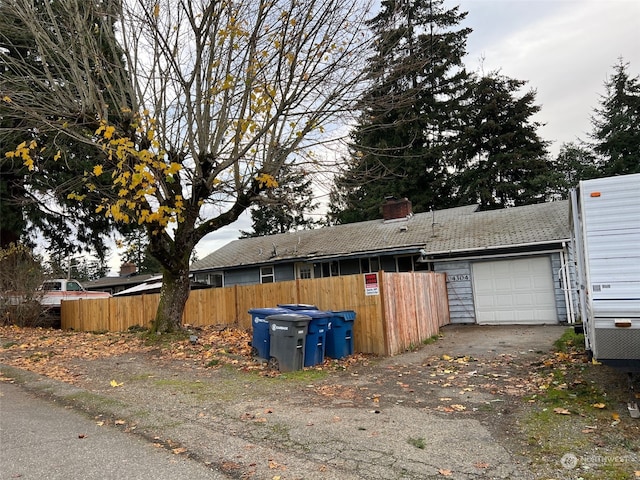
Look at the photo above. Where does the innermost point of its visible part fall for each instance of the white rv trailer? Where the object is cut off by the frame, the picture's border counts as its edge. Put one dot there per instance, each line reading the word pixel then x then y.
pixel 605 229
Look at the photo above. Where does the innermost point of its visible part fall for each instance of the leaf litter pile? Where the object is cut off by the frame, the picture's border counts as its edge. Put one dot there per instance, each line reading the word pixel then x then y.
pixel 51 352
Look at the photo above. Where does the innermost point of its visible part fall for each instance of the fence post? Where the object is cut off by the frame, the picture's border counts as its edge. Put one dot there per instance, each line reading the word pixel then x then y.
pixel 383 310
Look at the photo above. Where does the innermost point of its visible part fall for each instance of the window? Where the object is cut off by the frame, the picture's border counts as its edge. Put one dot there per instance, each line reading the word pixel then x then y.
pixel 73 287
pixel 304 270
pixel 330 269
pixel 368 265
pixel 215 279
pixel 267 274
pixel 52 286
pixel 404 264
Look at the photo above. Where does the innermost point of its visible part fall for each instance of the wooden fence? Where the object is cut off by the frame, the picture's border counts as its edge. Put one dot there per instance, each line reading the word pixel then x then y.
pixel 402 310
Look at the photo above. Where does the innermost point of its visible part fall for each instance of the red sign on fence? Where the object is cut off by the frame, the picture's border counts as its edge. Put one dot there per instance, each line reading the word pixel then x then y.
pixel 371 286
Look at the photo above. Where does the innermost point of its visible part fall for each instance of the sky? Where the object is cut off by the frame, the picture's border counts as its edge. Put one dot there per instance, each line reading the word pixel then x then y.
pixel 564 49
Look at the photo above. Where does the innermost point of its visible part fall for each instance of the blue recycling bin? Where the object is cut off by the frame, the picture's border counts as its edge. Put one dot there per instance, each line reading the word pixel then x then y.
pixel 339 341
pixel 260 341
pixel 297 306
pixel 314 347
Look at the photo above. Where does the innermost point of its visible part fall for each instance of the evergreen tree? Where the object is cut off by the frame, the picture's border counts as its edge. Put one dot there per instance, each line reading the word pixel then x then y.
pixel 409 113
pixel 136 245
pixel 616 124
pixel 284 208
pixel 574 163
pixel 79 268
pixel 501 159
pixel 35 198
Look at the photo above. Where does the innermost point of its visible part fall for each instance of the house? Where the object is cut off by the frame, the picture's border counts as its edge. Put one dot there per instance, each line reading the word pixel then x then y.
pixel 126 279
pixel 504 266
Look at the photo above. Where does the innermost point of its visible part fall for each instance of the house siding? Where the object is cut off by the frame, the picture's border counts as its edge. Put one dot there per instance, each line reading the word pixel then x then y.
pixel 459 289
pixel 247 276
pixel 561 305
pixel 251 275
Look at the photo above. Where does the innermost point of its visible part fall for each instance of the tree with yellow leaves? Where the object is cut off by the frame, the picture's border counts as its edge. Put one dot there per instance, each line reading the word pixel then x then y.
pixel 211 100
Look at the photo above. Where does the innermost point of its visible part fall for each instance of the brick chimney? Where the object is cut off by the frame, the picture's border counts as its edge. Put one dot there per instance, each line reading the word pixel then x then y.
pixel 394 209
pixel 127 269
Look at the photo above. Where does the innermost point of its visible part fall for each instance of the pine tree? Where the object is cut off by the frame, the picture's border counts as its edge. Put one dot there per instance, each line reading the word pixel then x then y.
pixel 35 200
pixel 136 245
pixel 574 162
pixel 286 207
pixel 400 146
pixel 616 124
pixel 501 159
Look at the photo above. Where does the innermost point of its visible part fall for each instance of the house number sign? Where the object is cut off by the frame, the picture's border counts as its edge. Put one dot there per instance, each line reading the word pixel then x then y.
pixel 464 277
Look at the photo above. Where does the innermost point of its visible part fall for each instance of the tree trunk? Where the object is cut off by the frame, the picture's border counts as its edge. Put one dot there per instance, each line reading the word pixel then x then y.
pixel 173 298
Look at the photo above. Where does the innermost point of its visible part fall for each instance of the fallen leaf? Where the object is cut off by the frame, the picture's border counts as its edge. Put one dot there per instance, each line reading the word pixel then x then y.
pixel 82 435
pixel 561 411
pixel 599 405
pixel 481 465
pixel 119 422
pixel 637 473
pixel 447 357
pixel 114 384
pixel 615 416
pixel 445 472
pixel 273 465
pixel 178 451
pixel 458 408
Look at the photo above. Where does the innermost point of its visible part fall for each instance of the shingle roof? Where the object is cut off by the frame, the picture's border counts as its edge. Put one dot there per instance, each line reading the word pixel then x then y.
pixel 452 230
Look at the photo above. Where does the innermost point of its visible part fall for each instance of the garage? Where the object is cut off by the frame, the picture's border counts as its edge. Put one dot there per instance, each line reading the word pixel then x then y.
pixel 515 291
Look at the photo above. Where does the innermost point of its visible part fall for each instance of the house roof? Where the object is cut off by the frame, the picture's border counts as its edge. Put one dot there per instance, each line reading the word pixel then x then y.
pixel 461 229
pixel 125 281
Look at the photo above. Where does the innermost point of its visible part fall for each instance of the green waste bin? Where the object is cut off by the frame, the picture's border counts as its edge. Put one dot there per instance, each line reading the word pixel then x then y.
pixel 287 333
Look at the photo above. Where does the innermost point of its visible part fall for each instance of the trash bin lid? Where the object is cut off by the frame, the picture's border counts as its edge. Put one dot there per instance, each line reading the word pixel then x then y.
pixel 289 317
pixel 315 313
pixel 298 306
pixel 345 314
pixel 267 311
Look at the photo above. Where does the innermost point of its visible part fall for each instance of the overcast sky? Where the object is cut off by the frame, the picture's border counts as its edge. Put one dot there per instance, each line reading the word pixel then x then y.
pixel 564 49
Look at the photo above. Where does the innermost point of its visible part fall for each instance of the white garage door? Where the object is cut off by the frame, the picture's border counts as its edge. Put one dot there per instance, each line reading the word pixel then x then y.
pixel 514 291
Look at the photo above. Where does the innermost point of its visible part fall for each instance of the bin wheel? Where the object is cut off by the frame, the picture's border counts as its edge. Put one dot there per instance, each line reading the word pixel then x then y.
pixel 273 364
pixel 254 352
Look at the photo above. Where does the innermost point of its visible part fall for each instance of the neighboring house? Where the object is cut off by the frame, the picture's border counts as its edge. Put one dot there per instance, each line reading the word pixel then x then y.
pixel 504 266
pixel 126 279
